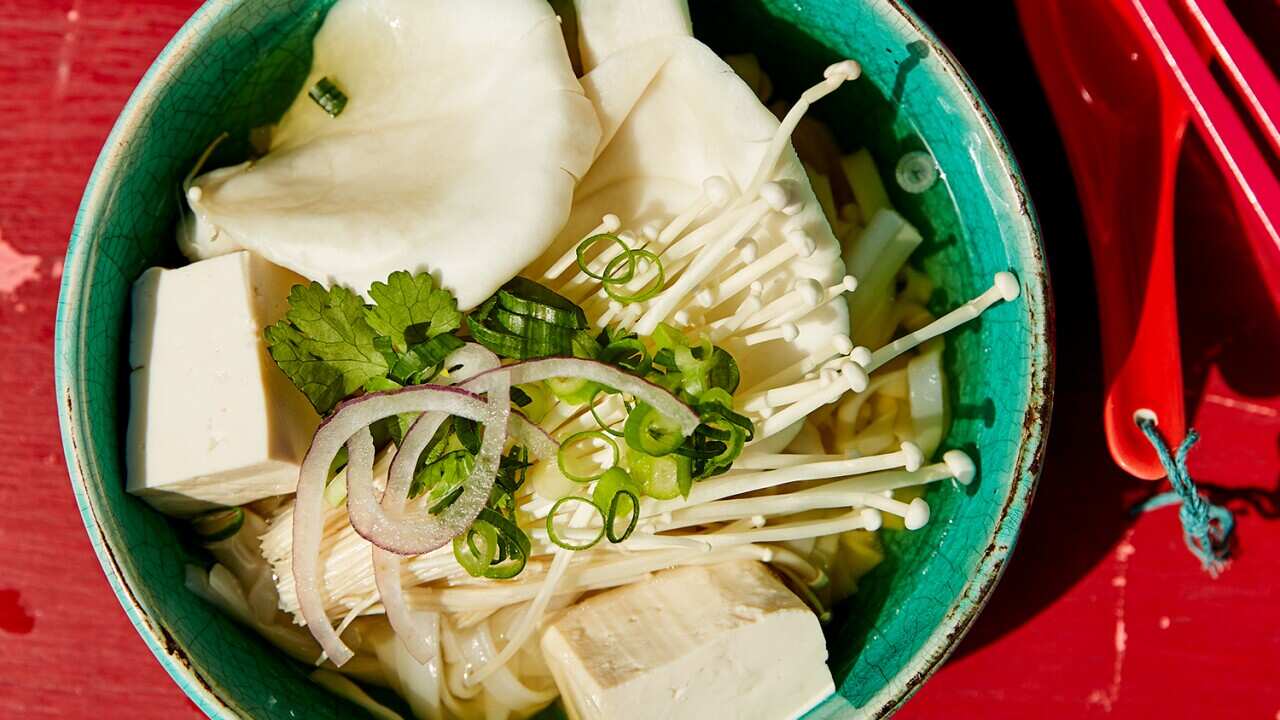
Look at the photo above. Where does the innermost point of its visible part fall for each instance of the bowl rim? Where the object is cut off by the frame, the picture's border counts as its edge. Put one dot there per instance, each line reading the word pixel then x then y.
pixel 173 658
pixel 942 641
pixel 977 591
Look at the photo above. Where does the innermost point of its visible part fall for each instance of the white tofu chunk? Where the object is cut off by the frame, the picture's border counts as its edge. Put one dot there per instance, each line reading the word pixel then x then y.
pixel 712 641
pixel 213 421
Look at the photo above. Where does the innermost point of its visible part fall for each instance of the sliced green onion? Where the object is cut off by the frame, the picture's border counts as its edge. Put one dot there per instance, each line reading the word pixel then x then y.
pixel 539 400
pixel 716 402
pixel 564 460
pixel 327 95
pixel 514 335
pixel 695 369
pixel 520 398
pixel 591 407
pixel 652 433
pixel 613 488
pixel 629 354
pixel 499 341
pixel 554 537
pixel 574 391
pixel 512 471
pixel 422 361
pixel 476 559
pixel 545 336
pixel 534 300
pixel 611 516
pixel 512 540
pixel 668 337
pixel 218 525
pixel 585 265
pixel 724 372
pixel 663 478
pixel 652 288
pixel 610 482
pixel 732 449
pixel 585 346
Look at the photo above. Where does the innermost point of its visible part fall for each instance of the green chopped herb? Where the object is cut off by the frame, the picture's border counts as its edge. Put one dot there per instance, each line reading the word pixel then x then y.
pixel 531 299
pixel 651 432
pixel 325 344
pixel 332 345
pixel 527 320
pixel 664 478
pixel 512 541
pixel 410 309
pixel 327 95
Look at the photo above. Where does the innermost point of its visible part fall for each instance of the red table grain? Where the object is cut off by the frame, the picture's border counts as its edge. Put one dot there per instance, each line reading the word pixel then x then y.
pixel 1098 614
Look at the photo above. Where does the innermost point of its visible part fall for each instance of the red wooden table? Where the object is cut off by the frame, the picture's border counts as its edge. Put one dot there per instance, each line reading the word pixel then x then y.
pixel 1099 613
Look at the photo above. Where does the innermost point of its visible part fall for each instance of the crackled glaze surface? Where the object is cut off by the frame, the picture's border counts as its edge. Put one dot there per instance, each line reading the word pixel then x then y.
pixel 237 64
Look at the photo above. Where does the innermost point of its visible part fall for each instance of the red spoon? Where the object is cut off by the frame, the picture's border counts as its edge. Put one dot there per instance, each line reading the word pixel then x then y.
pixel 1123 126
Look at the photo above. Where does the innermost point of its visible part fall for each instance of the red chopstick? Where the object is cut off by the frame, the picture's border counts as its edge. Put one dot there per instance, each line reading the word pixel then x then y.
pixel 1212 111
pixel 1249 73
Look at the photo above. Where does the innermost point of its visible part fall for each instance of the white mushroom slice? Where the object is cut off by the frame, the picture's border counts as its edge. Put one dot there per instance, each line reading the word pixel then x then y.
pixel 457 152
pixel 673 116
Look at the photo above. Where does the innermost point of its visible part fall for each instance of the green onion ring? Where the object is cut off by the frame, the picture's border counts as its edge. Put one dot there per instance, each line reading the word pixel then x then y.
pixel 578 437
pixel 654 286
pixel 517 543
pixel 472 559
pixel 551 529
pixel 585 265
pixel 650 432
pixel 591 407
pixel 612 515
pixel 622 353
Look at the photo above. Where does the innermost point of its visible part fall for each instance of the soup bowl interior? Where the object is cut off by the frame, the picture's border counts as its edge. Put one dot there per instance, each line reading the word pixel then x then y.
pixel 237 64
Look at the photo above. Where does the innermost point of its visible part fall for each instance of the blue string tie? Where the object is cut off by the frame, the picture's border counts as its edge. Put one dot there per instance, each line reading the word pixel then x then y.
pixel 1206 528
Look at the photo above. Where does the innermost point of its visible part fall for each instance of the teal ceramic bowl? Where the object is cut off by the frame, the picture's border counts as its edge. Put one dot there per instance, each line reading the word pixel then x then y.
pixel 236 65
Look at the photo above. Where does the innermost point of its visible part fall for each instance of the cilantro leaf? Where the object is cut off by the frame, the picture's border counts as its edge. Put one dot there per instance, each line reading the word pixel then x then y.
pixel 325 345
pixel 412 304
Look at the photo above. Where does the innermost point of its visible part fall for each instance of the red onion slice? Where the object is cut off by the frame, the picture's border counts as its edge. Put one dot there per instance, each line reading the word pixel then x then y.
pixel 643 390
pixel 473 359
pixel 413 536
pixel 349 425
pixel 377 520
pixel 386 564
pixel 538 442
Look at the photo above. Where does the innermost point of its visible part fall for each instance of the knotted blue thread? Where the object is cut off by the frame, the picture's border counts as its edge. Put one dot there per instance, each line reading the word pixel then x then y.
pixel 1206 528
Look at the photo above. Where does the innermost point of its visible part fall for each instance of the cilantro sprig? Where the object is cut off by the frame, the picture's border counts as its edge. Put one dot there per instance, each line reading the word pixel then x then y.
pixel 331 344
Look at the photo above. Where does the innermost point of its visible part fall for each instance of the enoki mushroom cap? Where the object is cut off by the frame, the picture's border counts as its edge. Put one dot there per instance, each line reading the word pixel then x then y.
pixel 1008 286
pixel 844 70
pixel 912 457
pixel 718 190
pixel 871 518
pixel 960 465
pixel 917 515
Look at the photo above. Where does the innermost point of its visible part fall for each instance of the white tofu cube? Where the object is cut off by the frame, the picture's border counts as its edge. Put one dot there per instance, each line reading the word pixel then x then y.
pixel 709 641
pixel 213 421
